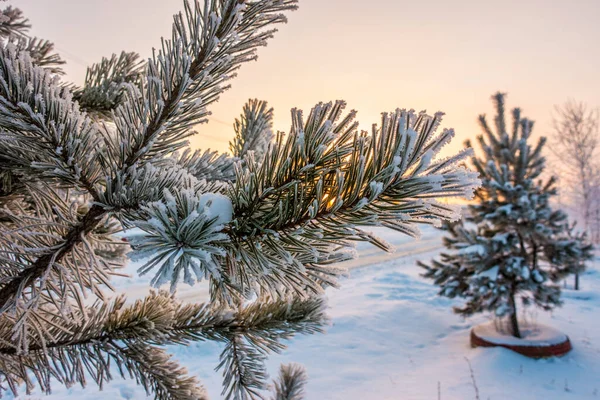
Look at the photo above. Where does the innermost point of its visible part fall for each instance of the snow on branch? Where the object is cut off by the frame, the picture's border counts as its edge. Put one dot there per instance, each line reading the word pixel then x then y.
pixel 186 229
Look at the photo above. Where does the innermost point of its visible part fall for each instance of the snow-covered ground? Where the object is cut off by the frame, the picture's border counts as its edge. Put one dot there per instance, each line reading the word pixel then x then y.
pixel 392 337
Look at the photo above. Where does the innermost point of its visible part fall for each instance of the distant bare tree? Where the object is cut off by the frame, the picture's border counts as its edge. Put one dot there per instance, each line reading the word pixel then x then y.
pixel 595 203
pixel 574 142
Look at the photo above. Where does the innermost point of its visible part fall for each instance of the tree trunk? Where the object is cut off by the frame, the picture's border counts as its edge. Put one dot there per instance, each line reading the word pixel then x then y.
pixel 514 322
pixel 586 197
pixel 577 280
pixel 597 238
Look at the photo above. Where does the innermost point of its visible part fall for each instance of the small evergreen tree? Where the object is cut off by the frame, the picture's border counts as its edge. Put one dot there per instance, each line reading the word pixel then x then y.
pixel 263 226
pixel 514 246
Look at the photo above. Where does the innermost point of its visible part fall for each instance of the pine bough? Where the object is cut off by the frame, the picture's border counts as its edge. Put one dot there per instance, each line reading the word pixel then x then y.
pixel 264 226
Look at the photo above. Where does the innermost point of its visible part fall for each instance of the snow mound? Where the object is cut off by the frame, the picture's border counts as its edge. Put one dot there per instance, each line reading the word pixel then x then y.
pixel 217 205
pixel 533 335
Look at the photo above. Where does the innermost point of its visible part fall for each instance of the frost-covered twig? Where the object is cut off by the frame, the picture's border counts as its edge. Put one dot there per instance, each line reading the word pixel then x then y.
pixel 14 28
pixel 253 130
pixel 106 81
pixel 473 381
pixel 291 382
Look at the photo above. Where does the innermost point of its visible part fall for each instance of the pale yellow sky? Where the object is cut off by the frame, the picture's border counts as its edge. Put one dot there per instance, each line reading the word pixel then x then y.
pixel 377 54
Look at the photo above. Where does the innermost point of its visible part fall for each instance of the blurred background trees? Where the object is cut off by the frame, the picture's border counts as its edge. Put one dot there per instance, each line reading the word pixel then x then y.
pixel 574 142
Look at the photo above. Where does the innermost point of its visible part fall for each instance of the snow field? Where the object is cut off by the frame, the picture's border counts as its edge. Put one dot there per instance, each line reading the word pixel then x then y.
pixel 392 338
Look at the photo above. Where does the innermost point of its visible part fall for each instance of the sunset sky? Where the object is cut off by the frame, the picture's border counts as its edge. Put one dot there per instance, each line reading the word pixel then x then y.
pixel 377 55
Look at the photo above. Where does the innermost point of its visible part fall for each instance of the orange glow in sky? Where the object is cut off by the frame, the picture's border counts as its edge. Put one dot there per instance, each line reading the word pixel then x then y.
pixel 377 55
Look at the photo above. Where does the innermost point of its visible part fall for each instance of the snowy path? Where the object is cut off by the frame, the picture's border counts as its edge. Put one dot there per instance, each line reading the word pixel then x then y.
pixel 392 337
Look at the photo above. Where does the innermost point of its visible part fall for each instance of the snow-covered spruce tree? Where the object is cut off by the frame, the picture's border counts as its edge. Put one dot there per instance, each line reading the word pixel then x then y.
pixel 86 162
pixel 514 246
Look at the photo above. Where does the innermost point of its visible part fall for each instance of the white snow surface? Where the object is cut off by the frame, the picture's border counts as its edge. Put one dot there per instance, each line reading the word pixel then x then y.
pixel 392 337
pixel 531 335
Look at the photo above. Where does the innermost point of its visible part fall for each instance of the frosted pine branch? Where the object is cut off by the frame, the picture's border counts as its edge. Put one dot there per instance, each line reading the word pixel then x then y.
pixel 177 86
pixel 129 336
pixel 105 82
pixel 253 130
pixel 291 381
pixel 187 230
pixel 266 224
pixel 302 204
pixel 13 23
pixel 207 165
pixel 208 44
pixel 14 28
pixel 41 52
pixel 44 133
